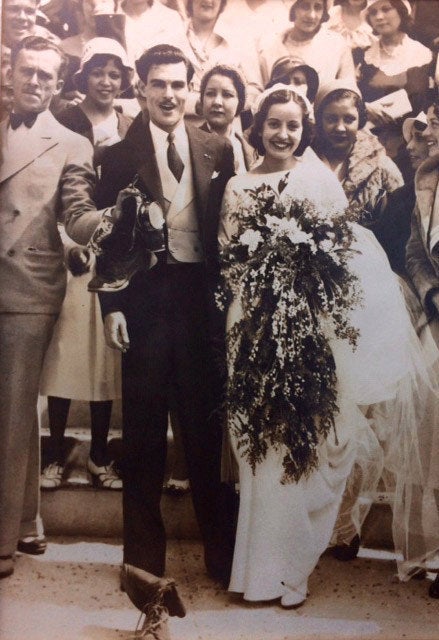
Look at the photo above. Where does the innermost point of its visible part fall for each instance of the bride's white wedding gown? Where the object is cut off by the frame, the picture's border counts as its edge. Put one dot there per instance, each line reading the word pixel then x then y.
pixel 284 528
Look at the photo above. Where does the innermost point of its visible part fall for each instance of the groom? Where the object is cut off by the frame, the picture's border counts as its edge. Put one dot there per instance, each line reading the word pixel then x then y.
pixel 165 321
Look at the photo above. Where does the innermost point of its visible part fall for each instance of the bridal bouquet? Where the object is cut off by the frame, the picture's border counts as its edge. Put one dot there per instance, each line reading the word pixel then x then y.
pixel 288 267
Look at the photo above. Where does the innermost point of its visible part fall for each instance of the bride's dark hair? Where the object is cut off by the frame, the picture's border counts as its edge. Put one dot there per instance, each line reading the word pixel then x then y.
pixel 282 96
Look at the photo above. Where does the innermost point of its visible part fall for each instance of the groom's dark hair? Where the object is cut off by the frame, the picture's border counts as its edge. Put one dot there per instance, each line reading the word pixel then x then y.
pixel 162 54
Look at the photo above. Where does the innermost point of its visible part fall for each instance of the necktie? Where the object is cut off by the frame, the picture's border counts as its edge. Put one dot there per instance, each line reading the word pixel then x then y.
pixel 175 163
pixel 17 119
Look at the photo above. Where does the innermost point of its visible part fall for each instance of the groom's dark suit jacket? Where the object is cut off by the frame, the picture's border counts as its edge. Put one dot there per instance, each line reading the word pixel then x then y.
pixel 172 323
pixel 212 166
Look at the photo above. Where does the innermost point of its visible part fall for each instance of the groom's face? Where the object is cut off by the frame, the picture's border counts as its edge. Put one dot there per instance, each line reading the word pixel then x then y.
pixel 165 91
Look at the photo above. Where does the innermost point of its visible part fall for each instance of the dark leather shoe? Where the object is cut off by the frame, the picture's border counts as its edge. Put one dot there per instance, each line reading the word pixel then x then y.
pixel 346 552
pixel 33 546
pixel 433 591
pixel 218 561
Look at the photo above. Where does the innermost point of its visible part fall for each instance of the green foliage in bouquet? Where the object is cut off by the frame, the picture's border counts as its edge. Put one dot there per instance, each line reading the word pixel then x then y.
pixel 288 265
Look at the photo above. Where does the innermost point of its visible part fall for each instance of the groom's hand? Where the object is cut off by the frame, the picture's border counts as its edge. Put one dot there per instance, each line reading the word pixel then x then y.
pixel 116 333
pixel 124 194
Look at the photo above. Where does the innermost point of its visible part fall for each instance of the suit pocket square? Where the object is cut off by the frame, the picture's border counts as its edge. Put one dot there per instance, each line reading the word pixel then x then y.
pixel 215 175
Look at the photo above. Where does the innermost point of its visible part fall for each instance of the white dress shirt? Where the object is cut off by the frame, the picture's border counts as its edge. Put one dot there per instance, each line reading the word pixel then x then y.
pixel 160 142
pixel 16 141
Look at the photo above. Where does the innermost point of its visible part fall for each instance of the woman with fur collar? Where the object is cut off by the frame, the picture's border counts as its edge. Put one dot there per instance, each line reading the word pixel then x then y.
pixel 356 156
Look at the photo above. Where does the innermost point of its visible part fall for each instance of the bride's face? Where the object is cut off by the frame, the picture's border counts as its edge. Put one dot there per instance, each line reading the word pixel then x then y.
pixel 282 130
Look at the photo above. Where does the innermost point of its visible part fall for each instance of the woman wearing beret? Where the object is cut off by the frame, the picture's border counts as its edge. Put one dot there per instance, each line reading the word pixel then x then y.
pixel 367 175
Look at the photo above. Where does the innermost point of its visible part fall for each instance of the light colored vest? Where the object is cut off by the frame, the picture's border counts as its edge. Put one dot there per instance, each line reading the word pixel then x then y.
pixel 184 241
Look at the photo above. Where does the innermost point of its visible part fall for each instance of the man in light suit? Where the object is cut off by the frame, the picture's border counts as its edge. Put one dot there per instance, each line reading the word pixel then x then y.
pixel 46 173
pixel 165 321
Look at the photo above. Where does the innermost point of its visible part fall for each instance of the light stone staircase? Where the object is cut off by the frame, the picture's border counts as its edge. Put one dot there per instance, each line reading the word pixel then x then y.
pixel 78 509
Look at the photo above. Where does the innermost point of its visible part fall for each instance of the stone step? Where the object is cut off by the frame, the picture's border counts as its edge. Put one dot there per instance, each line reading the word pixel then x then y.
pixel 79 509
pixel 97 513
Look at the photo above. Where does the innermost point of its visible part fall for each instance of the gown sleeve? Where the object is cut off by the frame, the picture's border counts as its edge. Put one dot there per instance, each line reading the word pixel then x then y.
pixel 228 224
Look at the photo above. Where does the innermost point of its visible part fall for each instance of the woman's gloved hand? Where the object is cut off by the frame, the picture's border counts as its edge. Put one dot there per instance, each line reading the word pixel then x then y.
pixel 79 261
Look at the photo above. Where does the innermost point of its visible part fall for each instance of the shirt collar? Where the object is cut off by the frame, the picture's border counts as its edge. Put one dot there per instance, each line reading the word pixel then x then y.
pixel 160 136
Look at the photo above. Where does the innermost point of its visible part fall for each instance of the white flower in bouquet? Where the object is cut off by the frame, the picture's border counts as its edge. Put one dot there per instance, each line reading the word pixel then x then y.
pixel 326 245
pixel 252 239
pixel 290 229
pixel 292 278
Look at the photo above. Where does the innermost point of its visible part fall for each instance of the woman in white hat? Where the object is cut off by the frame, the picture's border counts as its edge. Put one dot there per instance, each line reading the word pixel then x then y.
pixel 369 179
pixel 104 73
pixel 78 364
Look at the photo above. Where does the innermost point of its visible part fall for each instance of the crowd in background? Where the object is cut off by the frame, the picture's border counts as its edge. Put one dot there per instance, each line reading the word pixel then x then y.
pixel 369 69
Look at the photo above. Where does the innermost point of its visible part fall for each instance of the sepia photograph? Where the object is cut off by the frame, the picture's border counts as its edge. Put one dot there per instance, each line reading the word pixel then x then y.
pixel 219 320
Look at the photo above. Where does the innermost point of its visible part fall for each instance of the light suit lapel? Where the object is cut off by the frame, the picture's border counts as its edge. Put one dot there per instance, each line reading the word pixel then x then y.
pixel 20 158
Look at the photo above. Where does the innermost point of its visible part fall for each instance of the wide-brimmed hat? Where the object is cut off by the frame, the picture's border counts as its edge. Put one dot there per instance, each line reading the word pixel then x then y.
pixel 335 85
pixel 286 64
pixel 108 47
pixel 419 122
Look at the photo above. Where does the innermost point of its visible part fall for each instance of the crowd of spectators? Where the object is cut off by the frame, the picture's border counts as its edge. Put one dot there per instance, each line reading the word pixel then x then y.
pixel 368 67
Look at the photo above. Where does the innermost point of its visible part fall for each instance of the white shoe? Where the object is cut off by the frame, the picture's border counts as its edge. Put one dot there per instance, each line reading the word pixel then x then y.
pixel 105 477
pixel 294 597
pixel 51 476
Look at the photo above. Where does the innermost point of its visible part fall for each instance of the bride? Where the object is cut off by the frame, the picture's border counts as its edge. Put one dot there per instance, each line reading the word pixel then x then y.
pixel 316 328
